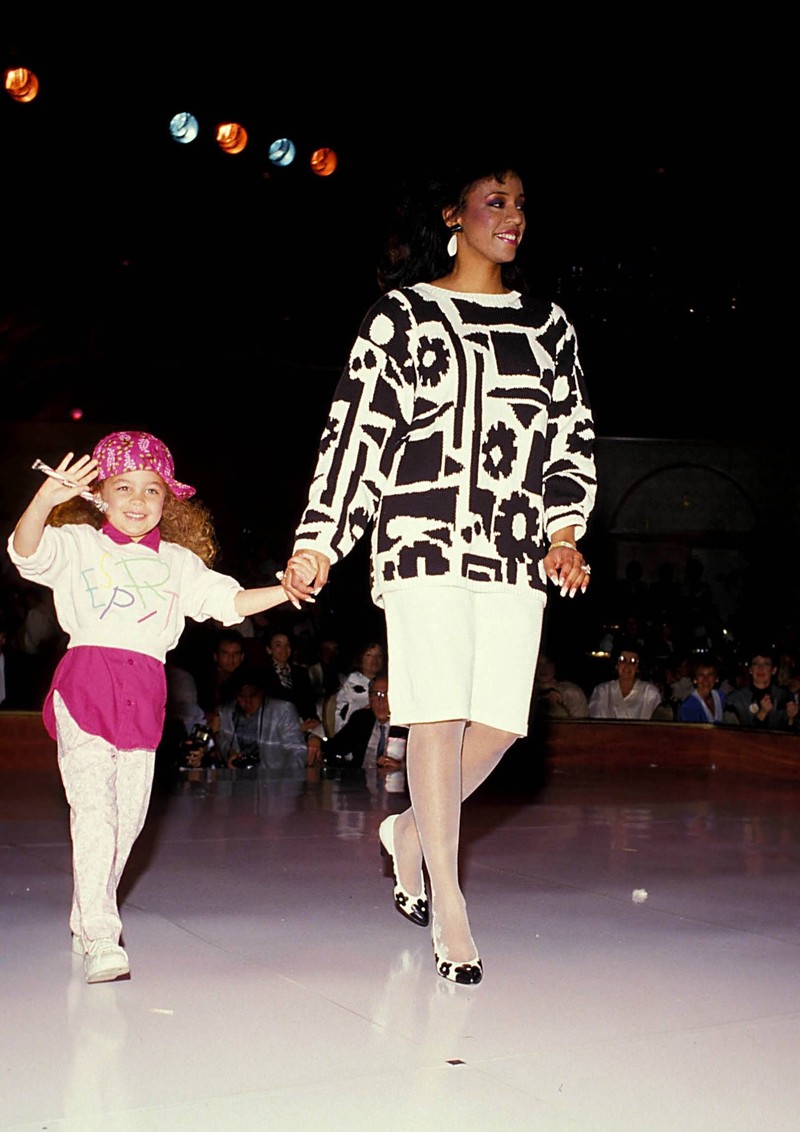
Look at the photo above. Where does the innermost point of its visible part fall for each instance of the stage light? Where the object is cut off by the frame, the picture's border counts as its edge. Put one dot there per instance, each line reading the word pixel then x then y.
pixel 184 128
pixel 323 162
pixel 21 84
pixel 76 414
pixel 282 151
pixel 231 137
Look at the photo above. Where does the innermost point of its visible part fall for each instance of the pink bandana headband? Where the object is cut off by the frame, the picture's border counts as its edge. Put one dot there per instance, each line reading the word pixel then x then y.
pixel 121 452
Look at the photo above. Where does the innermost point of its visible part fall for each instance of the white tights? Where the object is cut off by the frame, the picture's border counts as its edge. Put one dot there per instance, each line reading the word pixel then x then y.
pixel 445 763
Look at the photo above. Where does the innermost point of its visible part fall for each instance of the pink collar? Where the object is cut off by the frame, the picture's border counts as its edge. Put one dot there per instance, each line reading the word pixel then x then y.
pixel 151 539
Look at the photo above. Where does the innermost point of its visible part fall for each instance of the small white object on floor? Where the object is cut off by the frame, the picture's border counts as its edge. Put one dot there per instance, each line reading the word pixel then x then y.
pixel 639 895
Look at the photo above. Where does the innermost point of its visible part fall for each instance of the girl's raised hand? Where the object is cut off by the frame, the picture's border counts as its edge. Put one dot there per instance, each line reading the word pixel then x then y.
pixel 67 480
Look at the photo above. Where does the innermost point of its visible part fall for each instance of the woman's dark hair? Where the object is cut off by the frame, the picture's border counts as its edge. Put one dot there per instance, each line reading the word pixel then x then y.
pixel 358 660
pixel 416 251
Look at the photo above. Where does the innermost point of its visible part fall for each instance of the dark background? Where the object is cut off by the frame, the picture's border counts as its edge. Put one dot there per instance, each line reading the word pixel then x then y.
pixel 212 298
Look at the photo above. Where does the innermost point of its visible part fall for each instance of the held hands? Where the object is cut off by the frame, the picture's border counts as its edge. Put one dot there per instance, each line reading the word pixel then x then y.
pixel 565 567
pixel 305 575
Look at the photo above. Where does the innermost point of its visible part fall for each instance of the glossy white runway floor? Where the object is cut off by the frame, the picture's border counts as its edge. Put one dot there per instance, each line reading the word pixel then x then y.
pixel 274 986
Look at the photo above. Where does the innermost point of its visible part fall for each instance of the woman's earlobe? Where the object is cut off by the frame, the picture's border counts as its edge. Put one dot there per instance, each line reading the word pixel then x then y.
pixel 452 243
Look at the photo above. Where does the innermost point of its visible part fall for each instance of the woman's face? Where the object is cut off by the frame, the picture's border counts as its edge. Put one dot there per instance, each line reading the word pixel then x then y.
pixel 372 661
pixel 627 665
pixel 492 220
pixel 705 678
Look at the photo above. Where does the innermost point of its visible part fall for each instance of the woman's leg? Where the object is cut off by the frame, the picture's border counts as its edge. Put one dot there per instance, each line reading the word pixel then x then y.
pixel 482 747
pixel 433 761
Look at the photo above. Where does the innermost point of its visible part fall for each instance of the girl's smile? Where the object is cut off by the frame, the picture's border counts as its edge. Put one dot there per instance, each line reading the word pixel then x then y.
pixel 135 502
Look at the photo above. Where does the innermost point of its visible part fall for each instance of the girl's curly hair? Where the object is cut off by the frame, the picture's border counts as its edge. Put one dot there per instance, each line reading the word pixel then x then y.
pixel 186 523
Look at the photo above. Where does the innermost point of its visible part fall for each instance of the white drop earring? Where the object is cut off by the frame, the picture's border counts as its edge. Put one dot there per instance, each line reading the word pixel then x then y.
pixel 452 243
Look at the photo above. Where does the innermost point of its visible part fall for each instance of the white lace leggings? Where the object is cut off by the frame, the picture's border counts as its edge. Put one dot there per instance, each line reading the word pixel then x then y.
pixel 108 793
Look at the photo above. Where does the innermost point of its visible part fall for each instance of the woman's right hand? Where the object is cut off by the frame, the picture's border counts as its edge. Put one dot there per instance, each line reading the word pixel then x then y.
pixel 305 574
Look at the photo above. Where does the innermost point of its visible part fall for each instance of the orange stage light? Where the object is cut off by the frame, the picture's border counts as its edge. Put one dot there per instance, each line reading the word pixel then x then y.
pixel 323 162
pixel 231 137
pixel 21 84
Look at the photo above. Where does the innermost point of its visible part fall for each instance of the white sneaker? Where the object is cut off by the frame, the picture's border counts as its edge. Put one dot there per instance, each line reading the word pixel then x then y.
pixel 105 961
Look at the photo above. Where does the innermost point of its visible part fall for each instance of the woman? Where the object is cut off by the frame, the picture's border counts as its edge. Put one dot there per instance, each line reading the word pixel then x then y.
pixel 461 428
pixel 627 697
pixel 705 704
pixel 354 692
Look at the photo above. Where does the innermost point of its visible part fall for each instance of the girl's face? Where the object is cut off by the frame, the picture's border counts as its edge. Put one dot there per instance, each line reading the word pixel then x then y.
pixel 135 502
pixel 492 220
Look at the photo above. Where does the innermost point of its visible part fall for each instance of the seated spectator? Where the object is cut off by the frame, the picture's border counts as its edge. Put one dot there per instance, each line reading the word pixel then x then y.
pixel 182 706
pixel 195 701
pixel 228 658
pixel 762 703
pixel 286 681
pixel 363 740
pixel 558 699
pixel 257 730
pixel 705 704
pixel 681 682
pixel 354 692
pixel 627 697
pixel 324 674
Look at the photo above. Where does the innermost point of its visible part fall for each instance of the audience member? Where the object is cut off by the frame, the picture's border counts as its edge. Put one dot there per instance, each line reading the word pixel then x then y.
pixel 354 692
pixel 706 703
pixel 194 700
pixel 680 678
pixel 557 699
pixel 286 681
pixel 256 730
pixel 627 697
pixel 325 674
pixel 363 740
pixel 762 703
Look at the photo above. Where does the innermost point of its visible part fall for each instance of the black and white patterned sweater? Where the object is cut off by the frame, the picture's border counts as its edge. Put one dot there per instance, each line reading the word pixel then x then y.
pixel 461 427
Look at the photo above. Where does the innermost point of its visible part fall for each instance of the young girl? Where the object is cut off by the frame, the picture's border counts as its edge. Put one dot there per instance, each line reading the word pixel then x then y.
pixel 124 580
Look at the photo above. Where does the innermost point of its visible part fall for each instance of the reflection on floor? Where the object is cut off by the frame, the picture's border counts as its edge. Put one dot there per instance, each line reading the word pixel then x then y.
pixel 274 986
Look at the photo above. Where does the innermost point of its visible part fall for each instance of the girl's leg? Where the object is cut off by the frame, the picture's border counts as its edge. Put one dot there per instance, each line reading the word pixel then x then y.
pixel 88 770
pixel 108 792
pixel 134 783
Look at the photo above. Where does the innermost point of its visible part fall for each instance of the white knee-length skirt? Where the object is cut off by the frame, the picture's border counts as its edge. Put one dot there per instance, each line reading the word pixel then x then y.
pixel 458 654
